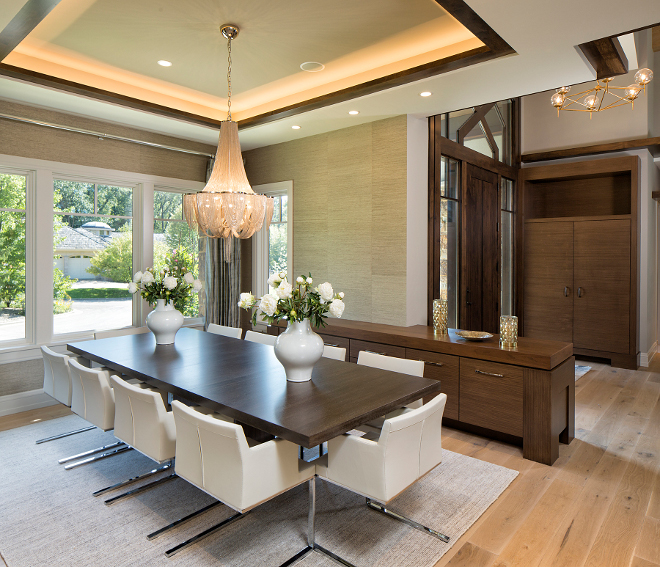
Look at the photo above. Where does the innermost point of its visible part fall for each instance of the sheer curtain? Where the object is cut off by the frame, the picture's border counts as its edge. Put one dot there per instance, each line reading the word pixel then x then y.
pixel 222 278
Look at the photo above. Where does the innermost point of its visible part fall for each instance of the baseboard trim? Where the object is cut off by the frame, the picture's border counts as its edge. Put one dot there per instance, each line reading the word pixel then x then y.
pixel 24 401
pixel 646 357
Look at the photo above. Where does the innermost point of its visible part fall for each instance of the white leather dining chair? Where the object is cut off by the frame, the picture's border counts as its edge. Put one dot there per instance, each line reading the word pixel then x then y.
pixel 215 456
pixel 394 364
pixel 92 399
pixel 336 353
pixel 57 384
pixel 143 423
pixel 262 338
pixel 233 332
pixel 409 446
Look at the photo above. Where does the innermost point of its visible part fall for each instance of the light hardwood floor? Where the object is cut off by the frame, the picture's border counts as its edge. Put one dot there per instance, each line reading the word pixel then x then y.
pixel 597 506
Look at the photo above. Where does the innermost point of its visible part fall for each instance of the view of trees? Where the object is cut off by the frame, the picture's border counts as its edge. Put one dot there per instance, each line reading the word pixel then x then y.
pixel 12 240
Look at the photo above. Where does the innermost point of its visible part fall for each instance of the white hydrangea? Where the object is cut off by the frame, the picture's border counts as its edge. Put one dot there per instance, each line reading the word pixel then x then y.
pixel 137 277
pixel 170 282
pixel 326 292
pixel 284 290
pixel 147 278
pixel 132 287
pixel 188 278
pixel 247 300
pixel 337 308
pixel 274 280
pixel 197 286
pixel 268 304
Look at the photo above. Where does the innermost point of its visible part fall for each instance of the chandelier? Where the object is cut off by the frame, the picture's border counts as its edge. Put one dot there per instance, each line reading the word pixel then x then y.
pixel 602 96
pixel 228 207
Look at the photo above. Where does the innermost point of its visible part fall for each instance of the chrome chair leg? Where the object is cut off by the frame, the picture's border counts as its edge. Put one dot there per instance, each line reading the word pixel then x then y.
pixel 132 480
pixel 61 435
pixel 91 452
pixel 311 534
pixel 98 457
pixel 205 533
pixel 380 508
pixel 140 489
pixel 176 523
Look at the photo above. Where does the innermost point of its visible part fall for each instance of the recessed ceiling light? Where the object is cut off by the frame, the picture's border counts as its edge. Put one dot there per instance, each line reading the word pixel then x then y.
pixel 164 63
pixel 296 127
pixel 426 93
pixel 354 112
pixel 312 66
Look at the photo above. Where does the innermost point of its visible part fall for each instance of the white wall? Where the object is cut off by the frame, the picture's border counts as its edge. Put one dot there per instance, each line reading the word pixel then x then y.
pixel 417 221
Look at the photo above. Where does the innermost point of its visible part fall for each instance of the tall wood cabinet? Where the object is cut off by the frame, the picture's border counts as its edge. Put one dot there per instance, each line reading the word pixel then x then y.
pixel 580 256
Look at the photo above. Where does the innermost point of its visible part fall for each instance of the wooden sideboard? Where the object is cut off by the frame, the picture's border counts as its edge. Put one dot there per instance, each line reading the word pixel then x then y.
pixel 526 394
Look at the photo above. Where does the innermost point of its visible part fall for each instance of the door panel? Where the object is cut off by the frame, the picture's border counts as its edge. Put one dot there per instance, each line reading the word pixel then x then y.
pixel 548 298
pixel 602 285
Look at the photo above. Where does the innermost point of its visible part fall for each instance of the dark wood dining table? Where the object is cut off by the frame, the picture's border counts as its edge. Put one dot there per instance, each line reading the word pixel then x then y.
pixel 245 381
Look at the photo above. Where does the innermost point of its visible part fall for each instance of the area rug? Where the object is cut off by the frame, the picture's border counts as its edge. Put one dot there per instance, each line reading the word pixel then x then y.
pixel 581 371
pixel 48 515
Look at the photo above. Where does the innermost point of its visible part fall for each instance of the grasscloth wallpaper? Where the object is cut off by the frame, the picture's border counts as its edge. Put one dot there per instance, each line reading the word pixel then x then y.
pixel 349 205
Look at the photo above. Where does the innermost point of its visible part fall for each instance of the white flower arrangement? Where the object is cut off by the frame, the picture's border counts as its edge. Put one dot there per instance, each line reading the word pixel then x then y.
pixel 154 285
pixel 295 303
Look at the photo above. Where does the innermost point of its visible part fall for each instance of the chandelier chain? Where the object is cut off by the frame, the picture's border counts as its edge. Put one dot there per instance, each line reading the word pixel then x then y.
pixel 229 78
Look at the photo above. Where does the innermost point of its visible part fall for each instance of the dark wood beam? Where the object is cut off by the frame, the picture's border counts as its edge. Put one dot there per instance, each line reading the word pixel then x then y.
pixel 28 18
pixel 491 140
pixel 606 56
pixel 652 144
pixel 466 128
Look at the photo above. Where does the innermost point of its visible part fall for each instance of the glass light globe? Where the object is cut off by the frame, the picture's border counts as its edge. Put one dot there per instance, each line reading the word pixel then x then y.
pixel 557 100
pixel 632 92
pixel 591 101
pixel 563 90
pixel 643 76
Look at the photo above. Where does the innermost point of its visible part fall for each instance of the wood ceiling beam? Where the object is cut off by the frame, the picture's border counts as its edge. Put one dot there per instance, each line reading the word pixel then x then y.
pixel 28 18
pixel 477 115
pixel 652 144
pixel 606 56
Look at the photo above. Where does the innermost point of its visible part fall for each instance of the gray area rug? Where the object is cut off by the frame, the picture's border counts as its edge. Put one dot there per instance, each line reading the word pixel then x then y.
pixel 48 515
pixel 581 371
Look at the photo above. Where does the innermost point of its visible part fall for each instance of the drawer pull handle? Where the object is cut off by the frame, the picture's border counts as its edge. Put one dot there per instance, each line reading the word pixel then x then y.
pixel 374 352
pixel 489 374
pixel 432 363
pixel 330 344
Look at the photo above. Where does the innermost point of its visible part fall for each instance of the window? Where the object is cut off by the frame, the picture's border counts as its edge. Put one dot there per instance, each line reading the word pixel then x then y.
pixel 449 231
pixel 13 192
pixel 272 249
pixel 175 245
pixel 93 252
pixel 506 260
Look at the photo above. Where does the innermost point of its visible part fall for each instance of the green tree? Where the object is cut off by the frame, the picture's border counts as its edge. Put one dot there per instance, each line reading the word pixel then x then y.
pixel 12 238
pixel 277 247
pixel 115 262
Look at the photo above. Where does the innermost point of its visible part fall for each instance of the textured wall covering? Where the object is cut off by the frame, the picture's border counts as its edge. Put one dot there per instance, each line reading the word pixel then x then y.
pixel 27 140
pixel 349 205
pixel 21 376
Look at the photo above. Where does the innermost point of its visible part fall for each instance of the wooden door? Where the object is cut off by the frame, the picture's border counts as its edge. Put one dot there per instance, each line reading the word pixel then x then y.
pixel 548 285
pixel 480 286
pixel 601 297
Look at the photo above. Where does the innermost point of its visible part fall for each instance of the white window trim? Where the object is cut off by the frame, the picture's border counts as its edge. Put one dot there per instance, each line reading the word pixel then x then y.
pixel 39 240
pixel 260 240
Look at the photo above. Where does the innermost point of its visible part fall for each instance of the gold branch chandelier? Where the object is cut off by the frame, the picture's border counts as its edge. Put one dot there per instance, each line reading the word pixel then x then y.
pixel 603 96
pixel 228 207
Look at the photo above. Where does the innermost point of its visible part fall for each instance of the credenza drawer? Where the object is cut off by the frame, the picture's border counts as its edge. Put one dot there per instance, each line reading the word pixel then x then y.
pixel 378 348
pixel 443 367
pixel 491 395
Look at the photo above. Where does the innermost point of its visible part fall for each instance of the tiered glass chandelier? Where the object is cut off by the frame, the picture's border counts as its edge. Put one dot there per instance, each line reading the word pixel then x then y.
pixel 228 207
pixel 602 96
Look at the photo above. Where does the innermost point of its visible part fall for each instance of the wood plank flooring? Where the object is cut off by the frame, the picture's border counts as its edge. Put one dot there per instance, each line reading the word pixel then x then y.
pixel 597 506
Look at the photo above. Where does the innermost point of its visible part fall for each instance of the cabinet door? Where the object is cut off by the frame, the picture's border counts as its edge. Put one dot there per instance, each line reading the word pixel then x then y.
pixel 602 285
pixel 548 294
pixel 443 367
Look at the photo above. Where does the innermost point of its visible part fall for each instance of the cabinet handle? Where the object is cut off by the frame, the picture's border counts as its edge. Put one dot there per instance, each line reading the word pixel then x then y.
pixel 579 292
pixel 431 363
pixel 489 374
pixel 565 291
pixel 330 344
pixel 374 352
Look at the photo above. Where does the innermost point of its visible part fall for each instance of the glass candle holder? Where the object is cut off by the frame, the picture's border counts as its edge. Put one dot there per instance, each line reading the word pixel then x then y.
pixel 440 314
pixel 508 331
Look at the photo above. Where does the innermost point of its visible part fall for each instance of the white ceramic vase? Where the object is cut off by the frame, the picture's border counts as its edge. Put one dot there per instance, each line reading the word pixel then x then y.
pixel 298 349
pixel 164 322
